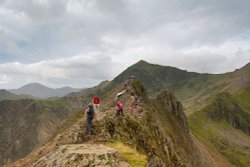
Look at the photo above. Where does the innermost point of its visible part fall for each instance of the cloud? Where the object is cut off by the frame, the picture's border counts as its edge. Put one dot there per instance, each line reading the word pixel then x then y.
pixel 80 70
pixel 5 79
pixel 43 37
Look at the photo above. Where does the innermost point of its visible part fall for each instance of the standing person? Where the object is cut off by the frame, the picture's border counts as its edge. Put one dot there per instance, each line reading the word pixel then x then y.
pixel 96 102
pixel 128 85
pixel 119 109
pixel 89 116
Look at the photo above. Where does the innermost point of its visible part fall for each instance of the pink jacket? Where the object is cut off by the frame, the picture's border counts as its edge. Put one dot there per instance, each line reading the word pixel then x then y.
pixel 119 106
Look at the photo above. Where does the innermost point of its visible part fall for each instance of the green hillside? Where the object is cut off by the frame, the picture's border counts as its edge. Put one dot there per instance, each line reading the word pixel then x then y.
pixel 193 89
pixel 224 125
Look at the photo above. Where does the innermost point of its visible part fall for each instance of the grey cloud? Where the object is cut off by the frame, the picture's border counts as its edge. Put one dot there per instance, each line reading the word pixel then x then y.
pixel 38 10
pixel 121 32
pixel 86 69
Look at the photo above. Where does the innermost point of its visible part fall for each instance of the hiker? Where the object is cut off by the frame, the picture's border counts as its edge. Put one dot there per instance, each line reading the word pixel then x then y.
pixel 89 115
pixel 128 84
pixel 119 109
pixel 96 102
pixel 134 102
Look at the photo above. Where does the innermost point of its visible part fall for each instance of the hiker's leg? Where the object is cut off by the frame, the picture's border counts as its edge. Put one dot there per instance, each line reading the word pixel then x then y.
pixel 97 107
pixel 117 113
pixel 89 125
pixel 122 113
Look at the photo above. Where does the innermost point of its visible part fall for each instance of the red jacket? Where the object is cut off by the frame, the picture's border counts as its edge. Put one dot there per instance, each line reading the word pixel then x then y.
pixel 96 100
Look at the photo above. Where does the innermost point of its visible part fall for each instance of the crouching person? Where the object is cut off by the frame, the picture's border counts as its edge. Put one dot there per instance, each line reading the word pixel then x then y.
pixel 119 109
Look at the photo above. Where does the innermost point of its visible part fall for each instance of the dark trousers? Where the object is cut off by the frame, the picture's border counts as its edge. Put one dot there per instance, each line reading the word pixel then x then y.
pixel 119 112
pixel 89 124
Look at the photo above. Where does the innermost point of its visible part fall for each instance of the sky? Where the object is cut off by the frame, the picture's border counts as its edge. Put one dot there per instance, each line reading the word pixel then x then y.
pixel 80 43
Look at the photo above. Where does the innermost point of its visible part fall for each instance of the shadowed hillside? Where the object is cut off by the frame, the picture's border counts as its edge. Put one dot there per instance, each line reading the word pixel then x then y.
pixel 27 124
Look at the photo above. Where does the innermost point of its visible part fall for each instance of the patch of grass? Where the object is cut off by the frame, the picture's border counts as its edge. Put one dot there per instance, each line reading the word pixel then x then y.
pixel 133 157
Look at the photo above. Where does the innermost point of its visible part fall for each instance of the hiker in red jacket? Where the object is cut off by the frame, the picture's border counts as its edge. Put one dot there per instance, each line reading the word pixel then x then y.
pixel 96 103
pixel 119 109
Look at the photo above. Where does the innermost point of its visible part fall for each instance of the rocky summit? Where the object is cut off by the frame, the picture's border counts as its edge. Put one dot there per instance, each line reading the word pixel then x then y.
pixel 83 155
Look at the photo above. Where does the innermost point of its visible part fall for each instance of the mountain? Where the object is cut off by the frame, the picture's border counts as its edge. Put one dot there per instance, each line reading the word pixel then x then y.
pixel 217 108
pixel 5 95
pixel 158 130
pixel 224 125
pixel 41 91
pixel 208 99
pixel 27 124
pixel 192 88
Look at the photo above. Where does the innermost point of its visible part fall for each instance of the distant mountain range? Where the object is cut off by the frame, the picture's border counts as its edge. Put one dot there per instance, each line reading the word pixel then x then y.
pixel 41 91
pixel 6 95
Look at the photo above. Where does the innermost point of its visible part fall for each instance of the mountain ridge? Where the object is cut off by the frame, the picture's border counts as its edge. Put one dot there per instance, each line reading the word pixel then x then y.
pixel 42 91
pixel 6 95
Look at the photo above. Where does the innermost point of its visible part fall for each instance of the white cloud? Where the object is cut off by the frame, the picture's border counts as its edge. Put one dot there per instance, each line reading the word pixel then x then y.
pixel 42 35
pixel 5 79
pixel 88 69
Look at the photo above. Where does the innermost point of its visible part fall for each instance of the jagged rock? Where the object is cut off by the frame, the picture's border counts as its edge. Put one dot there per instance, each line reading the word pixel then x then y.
pixel 82 155
pixel 160 131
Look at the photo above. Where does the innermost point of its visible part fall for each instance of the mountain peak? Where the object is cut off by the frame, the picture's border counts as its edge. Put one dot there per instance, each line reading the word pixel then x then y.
pixel 3 91
pixel 34 85
pixel 140 63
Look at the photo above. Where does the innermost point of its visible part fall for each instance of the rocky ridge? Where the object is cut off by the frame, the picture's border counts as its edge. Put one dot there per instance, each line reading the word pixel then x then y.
pixel 157 128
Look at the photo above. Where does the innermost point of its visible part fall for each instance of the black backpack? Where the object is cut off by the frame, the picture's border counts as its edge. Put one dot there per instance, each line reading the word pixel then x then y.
pixel 90 111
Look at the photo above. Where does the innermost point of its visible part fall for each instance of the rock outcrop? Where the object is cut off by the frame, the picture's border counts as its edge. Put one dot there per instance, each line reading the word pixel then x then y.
pixel 158 128
pixel 82 155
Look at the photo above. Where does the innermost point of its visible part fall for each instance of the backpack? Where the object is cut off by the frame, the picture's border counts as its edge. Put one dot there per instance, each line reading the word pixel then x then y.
pixel 90 111
pixel 96 100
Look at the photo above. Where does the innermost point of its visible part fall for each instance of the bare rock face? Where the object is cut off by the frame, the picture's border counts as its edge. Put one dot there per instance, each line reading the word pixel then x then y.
pixel 82 155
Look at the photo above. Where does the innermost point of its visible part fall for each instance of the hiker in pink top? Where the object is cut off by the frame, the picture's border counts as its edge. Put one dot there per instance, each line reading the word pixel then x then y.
pixel 119 109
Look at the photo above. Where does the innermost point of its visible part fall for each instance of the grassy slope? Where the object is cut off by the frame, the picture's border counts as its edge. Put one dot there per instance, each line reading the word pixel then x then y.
pixel 216 130
pixel 131 155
